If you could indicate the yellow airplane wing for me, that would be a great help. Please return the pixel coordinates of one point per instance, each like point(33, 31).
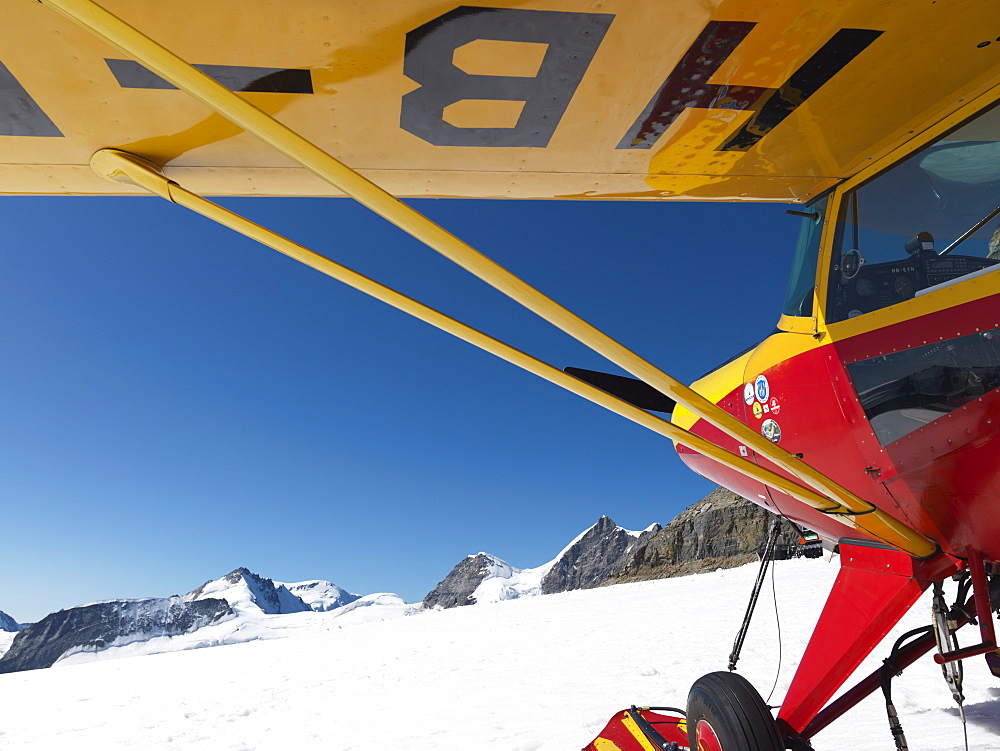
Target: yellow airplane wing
point(694, 99)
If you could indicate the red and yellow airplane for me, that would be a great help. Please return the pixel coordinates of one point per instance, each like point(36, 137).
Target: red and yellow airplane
point(871, 415)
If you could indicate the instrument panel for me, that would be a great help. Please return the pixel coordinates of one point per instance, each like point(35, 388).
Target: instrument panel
point(880, 285)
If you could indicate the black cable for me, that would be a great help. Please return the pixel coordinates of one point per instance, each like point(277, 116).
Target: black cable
point(890, 670)
point(913, 632)
point(772, 539)
point(777, 621)
point(961, 604)
point(678, 710)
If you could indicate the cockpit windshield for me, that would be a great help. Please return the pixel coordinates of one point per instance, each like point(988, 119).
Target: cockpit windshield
point(928, 222)
point(799, 297)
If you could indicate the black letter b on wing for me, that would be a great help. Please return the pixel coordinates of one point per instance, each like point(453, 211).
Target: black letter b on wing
point(571, 38)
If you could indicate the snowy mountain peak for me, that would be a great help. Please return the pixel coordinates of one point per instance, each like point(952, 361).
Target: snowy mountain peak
point(245, 590)
point(240, 573)
point(238, 607)
point(586, 562)
point(485, 578)
point(321, 595)
point(590, 558)
point(495, 567)
point(9, 624)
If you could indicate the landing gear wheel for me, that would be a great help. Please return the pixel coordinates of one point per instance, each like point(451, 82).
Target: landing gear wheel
point(725, 713)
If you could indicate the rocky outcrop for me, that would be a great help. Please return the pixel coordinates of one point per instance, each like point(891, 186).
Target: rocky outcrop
point(105, 624)
point(240, 597)
point(586, 563)
point(591, 559)
point(721, 530)
point(457, 587)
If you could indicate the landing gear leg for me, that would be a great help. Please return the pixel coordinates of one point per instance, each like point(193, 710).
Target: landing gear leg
point(725, 713)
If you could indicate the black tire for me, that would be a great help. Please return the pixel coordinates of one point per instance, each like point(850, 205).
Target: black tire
point(734, 710)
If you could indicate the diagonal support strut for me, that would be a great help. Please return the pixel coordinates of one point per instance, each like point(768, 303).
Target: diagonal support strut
point(121, 167)
point(164, 63)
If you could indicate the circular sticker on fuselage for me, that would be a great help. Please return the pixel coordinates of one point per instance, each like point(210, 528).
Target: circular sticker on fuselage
point(773, 404)
point(762, 389)
point(770, 430)
point(757, 410)
point(748, 393)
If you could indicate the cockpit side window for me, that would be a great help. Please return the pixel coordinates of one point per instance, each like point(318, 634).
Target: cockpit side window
point(926, 223)
point(799, 298)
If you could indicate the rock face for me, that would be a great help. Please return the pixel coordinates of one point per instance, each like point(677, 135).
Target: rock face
point(241, 598)
point(9, 624)
point(591, 559)
point(721, 530)
point(104, 623)
point(457, 587)
point(587, 562)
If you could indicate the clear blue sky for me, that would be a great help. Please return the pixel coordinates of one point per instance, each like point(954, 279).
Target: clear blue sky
point(179, 401)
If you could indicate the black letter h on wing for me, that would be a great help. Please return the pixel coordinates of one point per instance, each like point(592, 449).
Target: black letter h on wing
point(687, 85)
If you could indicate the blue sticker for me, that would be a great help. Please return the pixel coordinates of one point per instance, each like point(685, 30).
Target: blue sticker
point(762, 389)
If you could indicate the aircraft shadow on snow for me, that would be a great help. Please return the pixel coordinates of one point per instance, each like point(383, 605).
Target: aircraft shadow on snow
point(985, 714)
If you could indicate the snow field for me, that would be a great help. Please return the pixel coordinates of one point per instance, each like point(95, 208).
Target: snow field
point(532, 674)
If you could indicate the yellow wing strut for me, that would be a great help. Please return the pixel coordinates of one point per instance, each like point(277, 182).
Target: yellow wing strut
point(122, 167)
point(231, 106)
